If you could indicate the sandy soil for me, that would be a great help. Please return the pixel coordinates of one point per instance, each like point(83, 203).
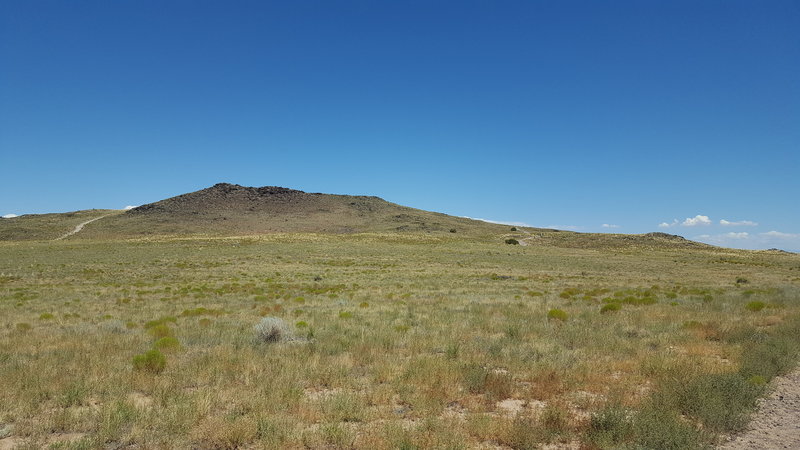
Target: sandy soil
point(777, 423)
point(79, 227)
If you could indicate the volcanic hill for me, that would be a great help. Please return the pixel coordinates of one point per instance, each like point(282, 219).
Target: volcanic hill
point(230, 209)
point(233, 210)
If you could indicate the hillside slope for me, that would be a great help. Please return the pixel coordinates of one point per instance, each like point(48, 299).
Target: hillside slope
point(232, 210)
point(229, 209)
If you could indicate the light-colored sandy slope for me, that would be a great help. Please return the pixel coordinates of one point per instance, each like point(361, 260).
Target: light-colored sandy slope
point(777, 423)
point(79, 227)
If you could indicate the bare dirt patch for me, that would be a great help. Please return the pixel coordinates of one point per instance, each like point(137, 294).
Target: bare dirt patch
point(140, 400)
point(777, 422)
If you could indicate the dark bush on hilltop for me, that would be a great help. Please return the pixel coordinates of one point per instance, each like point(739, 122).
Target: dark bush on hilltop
point(512, 241)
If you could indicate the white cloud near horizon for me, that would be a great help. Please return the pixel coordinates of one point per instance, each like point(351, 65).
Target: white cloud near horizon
point(754, 241)
point(129, 207)
point(741, 223)
point(668, 225)
point(698, 220)
point(10, 216)
point(779, 235)
point(610, 225)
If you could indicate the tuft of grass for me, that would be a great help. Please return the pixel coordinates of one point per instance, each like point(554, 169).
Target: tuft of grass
point(610, 308)
point(166, 344)
point(201, 311)
point(557, 314)
point(46, 316)
point(522, 433)
point(272, 330)
point(152, 361)
point(721, 402)
point(755, 306)
point(162, 321)
point(160, 331)
point(656, 426)
point(610, 427)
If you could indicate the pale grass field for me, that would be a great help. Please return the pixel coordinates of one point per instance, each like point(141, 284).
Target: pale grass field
point(400, 341)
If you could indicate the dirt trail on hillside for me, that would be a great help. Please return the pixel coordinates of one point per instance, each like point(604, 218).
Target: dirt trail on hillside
point(777, 422)
point(79, 227)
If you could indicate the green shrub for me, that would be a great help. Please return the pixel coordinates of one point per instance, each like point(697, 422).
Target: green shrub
point(345, 315)
point(555, 420)
point(46, 316)
point(363, 305)
point(152, 361)
point(769, 358)
point(610, 307)
point(474, 378)
point(160, 331)
point(721, 402)
point(657, 427)
point(755, 306)
point(452, 350)
point(200, 311)
point(557, 314)
point(523, 433)
point(161, 321)
point(513, 228)
point(610, 427)
point(167, 344)
point(631, 300)
point(512, 241)
point(301, 324)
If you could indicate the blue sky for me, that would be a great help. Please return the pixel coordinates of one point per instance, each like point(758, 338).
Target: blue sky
point(569, 114)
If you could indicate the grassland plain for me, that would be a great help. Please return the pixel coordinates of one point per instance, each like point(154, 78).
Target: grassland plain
point(414, 340)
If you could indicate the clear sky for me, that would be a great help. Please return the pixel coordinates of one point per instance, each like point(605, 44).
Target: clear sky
point(623, 116)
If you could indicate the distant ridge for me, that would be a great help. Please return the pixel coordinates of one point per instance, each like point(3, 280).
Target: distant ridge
point(226, 209)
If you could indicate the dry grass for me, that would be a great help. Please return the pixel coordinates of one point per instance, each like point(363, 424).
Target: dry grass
point(405, 341)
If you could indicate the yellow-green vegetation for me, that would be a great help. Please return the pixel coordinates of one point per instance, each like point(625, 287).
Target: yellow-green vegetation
point(415, 340)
